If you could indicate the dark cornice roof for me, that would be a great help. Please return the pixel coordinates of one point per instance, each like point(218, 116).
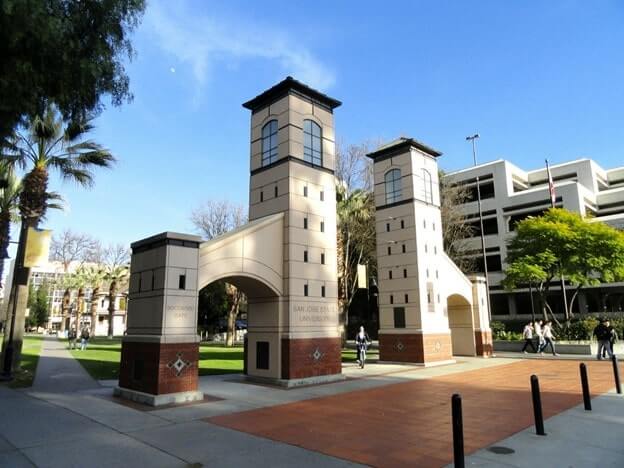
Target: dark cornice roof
point(286, 86)
point(400, 145)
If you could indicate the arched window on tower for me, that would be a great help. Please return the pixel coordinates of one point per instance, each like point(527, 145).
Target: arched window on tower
point(312, 150)
point(393, 185)
point(269, 143)
point(427, 186)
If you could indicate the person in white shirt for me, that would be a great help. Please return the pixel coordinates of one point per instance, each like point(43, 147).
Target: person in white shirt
point(527, 334)
point(549, 338)
point(540, 336)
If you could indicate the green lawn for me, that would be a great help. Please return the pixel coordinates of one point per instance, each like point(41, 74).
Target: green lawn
point(31, 349)
point(101, 359)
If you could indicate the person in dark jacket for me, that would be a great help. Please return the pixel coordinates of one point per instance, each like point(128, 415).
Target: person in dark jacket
point(602, 332)
point(612, 339)
point(361, 342)
point(84, 339)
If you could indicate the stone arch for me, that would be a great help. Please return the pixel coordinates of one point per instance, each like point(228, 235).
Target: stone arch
point(461, 324)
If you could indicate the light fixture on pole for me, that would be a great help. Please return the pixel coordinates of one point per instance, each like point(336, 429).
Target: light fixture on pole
point(472, 139)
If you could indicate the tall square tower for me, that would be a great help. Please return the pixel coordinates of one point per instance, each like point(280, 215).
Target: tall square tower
point(292, 172)
point(413, 319)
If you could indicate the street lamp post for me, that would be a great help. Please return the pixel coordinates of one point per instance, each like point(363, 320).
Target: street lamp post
point(472, 139)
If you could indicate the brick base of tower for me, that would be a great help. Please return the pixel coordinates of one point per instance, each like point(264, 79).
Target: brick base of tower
point(159, 373)
point(415, 348)
point(483, 343)
point(311, 357)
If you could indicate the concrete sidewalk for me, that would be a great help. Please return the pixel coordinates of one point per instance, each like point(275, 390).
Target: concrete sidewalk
point(58, 371)
point(574, 438)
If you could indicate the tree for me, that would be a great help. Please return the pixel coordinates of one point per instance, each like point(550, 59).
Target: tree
point(9, 197)
point(214, 218)
point(353, 169)
point(67, 52)
point(212, 306)
point(94, 276)
point(69, 246)
point(562, 242)
point(41, 306)
point(356, 243)
point(116, 274)
point(48, 144)
point(455, 229)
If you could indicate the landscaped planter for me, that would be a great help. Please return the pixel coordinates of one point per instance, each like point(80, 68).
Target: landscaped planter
point(563, 347)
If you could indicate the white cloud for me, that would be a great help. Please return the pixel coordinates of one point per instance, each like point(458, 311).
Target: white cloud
point(201, 41)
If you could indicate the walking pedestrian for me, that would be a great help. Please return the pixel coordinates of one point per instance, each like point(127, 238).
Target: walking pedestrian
point(361, 342)
point(71, 338)
point(540, 336)
point(549, 338)
point(527, 334)
point(84, 339)
point(603, 334)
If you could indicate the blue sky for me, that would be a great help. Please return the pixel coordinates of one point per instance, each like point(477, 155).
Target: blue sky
point(535, 79)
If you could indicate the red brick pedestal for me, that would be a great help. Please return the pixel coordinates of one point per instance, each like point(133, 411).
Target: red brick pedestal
point(310, 357)
point(484, 344)
point(165, 371)
point(415, 348)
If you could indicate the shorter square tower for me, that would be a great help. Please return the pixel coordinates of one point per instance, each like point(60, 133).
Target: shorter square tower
point(421, 291)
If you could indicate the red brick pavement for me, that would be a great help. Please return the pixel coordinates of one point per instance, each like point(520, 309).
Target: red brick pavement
point(409, 424)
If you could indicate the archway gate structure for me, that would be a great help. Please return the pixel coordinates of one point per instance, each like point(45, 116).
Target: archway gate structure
point(284, 259)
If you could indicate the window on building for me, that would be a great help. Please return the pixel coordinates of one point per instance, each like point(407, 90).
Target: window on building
point(404, 273)
point(428, 186)
point(312, 151)
point(392, 181)
point(276, 193)
point(182, 282)
point(322, 291)
point(403, 248)
point(261, 196)
point(402, 224)
point(322, 196)
point(305, 289)
point(305, 256)
point(387, 227)
point(305, 190)
point(322, 259)
point(389, 274)
point(406, 298)
point(269, 143)
point(305, 223)
point(399, 317)
point(391, 299)
point(322, 226)
point(389, 250)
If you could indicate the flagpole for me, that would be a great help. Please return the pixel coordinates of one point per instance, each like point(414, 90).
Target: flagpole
point(551, 190)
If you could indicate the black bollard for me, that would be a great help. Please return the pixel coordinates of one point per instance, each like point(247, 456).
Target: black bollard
point(585, 386)
point(458, 431)
point(616, 373)
point(537, 406)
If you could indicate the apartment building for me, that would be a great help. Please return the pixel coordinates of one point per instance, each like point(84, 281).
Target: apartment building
point(52, 274)
point(510, 194)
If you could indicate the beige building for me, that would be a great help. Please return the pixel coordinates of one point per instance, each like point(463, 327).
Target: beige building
point(510, 194)
point(428, 310)
point(52, 274)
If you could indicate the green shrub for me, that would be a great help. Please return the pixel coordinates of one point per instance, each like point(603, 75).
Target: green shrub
point(578, 329)
point(498, 329)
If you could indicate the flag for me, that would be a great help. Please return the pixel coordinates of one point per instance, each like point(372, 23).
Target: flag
point(551, 186)
point(37, 247)
point(362, 278)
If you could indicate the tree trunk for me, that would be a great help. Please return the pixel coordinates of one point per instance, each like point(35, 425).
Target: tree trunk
point(5, 237)
point(231, 322)
point(65, 308)
point(94, 307)
point(79, 309)
point(112, 293)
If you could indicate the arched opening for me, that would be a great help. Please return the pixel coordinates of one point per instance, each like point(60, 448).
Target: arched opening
point(461, 325)
point(261, 352)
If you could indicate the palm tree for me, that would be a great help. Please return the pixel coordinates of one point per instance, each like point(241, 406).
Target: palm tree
point(356, 241)
point(117, 277)
point(48, 144)
point(9, 197)
point(94, 276)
